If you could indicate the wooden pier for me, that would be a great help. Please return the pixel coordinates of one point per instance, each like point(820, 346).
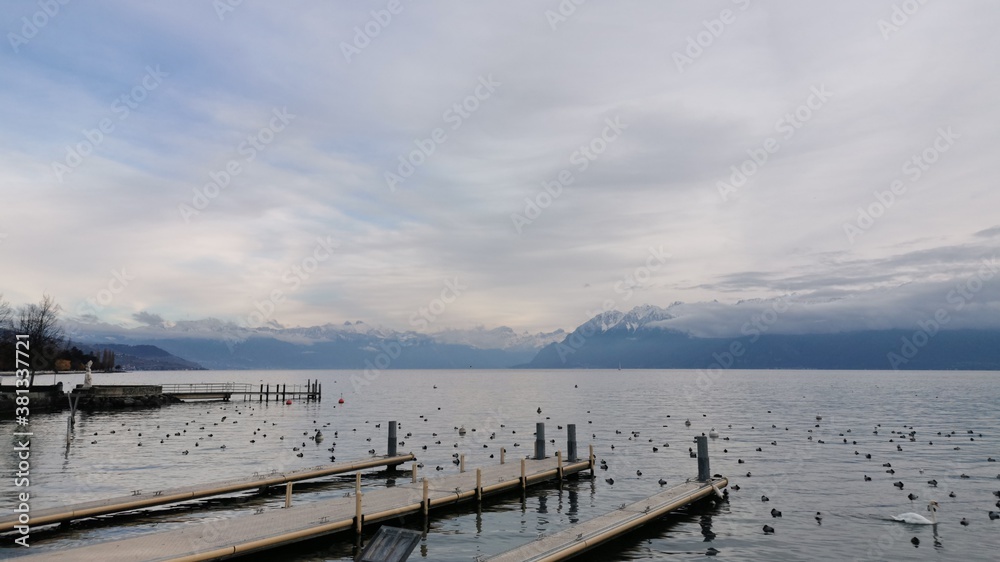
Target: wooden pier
point(226, 538)
point(595, 532)
point(139, 499)
point(588, 534)
point(312, 390)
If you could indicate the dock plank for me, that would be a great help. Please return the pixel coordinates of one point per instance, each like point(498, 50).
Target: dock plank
point(591, 533)
point(217, 539)
point(151, 498)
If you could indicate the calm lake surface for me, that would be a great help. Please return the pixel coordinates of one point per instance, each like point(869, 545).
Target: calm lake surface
point(753, 409)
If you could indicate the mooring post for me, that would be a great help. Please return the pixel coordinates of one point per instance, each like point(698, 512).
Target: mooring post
point(539, 440)
point(479, 484)
point(288, 494)
point(503, 453)
point(414, 471)
point(559, 465)
point(392, 439)
point(319, 391)
point(524, 479)
point(461, 463)
point(426, 502)
point(571, 442)
point(283, 389)
point(308, 382)
point(357, 503)
point(69, 429)
point(704, 473)
point(591, 459)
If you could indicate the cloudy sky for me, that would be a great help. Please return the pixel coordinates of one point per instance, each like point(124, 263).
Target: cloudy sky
point(513, 163)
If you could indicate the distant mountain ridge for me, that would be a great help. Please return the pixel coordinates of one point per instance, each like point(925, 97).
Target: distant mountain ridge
point(642, 339)
point(216, 344)
point(647, 336)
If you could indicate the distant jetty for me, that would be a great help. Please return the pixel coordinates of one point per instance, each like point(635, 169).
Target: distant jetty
point(98, 397)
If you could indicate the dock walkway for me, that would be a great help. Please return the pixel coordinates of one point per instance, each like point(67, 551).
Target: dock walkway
point(227, 538)
point(142, 498)
point(594, 532)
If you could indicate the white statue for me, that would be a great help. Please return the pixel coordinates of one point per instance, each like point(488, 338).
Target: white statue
point(87, 381)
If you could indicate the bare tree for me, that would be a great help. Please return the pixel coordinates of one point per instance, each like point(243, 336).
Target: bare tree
point(41, 323)
point(5, 315)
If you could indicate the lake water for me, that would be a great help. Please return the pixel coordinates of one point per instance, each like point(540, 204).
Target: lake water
point(753, 409)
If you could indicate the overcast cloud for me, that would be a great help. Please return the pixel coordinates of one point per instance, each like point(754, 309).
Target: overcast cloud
point(302, 225)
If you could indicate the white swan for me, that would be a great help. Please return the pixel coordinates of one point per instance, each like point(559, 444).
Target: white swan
point(917, 519)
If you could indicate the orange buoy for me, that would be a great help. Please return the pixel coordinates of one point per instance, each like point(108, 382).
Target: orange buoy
point(341, 401)
point(288, 402)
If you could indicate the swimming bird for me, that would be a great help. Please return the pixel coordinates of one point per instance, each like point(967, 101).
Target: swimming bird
point(964, 522)
point(912, 496)
point(917, 519)
point(994, 516)
point(898, 485)
point(932, 483)
point(775, 513)
point(868, 478)
point(610, 481)
point(663, 482)
point(713, 433)
point(768, 530)
point(915, 541)
point(819, 517)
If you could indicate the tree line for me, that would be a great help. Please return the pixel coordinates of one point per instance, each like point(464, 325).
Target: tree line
point(49, 349)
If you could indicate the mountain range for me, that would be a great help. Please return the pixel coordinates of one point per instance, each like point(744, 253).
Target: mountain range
point(646, 336)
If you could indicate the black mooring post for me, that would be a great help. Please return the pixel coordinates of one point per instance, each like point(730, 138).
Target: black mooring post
point(704, 472)
point(392, 439)
point(540, 440)
point(571, 442)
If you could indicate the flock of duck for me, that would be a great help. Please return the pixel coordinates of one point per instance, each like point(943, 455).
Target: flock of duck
point(200, 432)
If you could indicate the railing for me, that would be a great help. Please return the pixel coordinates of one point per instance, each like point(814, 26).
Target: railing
point(208, 388)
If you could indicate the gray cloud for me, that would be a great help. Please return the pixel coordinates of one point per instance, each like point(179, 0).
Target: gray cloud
point(780, 233)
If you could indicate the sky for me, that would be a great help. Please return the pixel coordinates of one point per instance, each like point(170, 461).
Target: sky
point(436, 165)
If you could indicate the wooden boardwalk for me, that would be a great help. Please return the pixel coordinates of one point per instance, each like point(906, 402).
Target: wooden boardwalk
point(594, 532)
point(219, 539)
point(148, 498)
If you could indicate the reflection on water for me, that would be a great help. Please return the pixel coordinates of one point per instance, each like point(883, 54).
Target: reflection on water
point(768, 420)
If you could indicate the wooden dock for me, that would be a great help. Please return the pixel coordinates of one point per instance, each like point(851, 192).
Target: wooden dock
point(312, 390)
point(140, 499)
point(226, 538)
point(588, 534)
